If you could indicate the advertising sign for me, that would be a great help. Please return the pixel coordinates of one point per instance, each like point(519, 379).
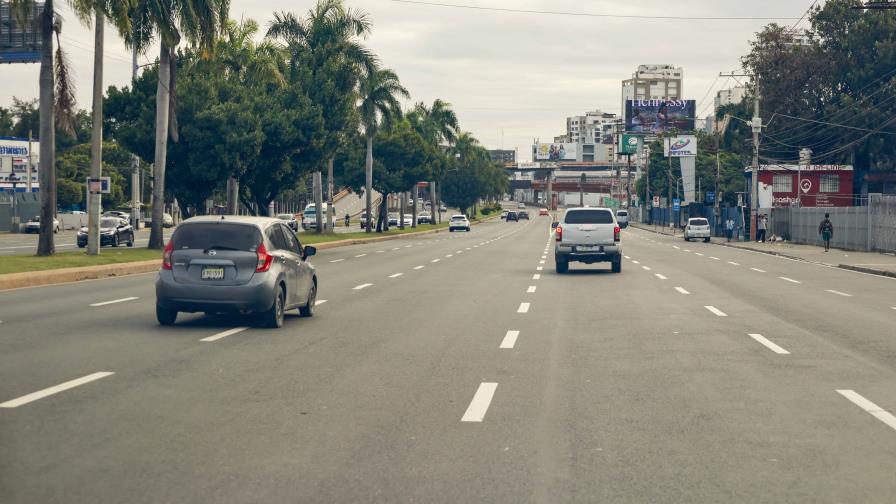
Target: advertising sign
point(102, 185)
point(658, 116)
point(19, 42)
point(680, 146)
point(676, 204)
point(556, 151)
point(631, 144)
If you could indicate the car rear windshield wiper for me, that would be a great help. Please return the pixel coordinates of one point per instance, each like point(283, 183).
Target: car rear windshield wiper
point(218, 247)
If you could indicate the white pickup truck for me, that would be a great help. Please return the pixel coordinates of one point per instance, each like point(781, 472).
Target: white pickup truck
point(588, 235)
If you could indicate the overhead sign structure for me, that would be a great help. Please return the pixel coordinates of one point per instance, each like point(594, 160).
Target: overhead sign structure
point(556, 151)
point(20, 42)
point(631, 144)
point(659, 116)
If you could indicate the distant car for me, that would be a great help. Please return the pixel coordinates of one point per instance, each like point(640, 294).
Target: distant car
point(424, 218)
point(113, 231)
point(458, 222)
point(698, 228)
point(512, 216)
point(408, 220)
point(78, 212)
point(118, 213)
point(393, 219)
point(622, 218)
point(522, 215)
point(543, 212)
point(236, 264)
point(289, 220)
point(363, 220)
point(33, 226)
point(504, 214)
point(443, 208)
point(521, 206)
point(167, 221)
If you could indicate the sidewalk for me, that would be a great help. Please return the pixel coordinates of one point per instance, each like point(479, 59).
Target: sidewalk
point(866, 262)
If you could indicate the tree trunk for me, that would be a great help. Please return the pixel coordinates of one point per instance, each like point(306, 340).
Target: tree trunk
point(414, 209)
point(233, 194)
point(318, 203)
point(156, 238)
point(96, 138)
point(402, 202)
point(331, 208)
point(368, 185)
point(47, 176)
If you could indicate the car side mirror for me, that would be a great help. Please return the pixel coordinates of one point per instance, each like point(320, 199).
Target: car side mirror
point(554, 225)
point(309, 251)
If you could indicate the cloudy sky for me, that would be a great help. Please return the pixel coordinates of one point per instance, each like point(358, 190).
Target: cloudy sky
point(510, 76)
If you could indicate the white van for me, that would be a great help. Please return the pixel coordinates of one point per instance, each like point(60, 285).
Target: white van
point(622, 218)
point(309, 216)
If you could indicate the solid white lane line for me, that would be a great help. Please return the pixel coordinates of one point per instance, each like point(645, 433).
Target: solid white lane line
point(362, 286)
point(510, 339)
point(435, 260)
point(360, 255)
point(320, 302)
point(337, 260)
point(418, 267)
point(790, 280)
point(122, 300)
point(40, 394)
point(716, 311)
point(832, 291)
point(536, 276)
point(396, 275)
point(524, 308)
point(733, 263)
point(481, 400)
point(646, 268)
point(681, 290)
point(857, 399)
point(661, 277)
point(530, 290)
point(229, 332)
point(768, 343)
point(757, 270)
point(540, 268)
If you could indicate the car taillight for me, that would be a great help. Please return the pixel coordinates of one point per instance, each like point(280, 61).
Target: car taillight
point(166, 255)
point(559, 232)
point(264, 259)
point(616, 233)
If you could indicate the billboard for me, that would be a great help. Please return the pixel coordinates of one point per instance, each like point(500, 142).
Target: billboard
point(556, 151)
point(19, 42)
point(631, 144)
point(680, 146)
point(658, 116)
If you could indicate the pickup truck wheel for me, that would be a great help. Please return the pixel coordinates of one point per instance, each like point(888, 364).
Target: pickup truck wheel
point(706, 240)
point(561, 266)
point(687, 239)
point(617, 265)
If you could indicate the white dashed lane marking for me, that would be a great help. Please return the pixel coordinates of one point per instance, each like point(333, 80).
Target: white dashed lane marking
point(320, 302)
point(857, 399)
point(418, 267)
point(524, 308)
point(681, 290)
point(769, 344)
point(757, 270)
point(661, 277)
point(536, 276)
point(337, 260)
point(362, 286)
point(832, 291)
point(114, 301)
point(530, 290)
point(396, 275)
point(230, 332)
point(733, 263)
point(646, 268)
point(481, 400)
point(790, 280)
point(510, 339)
point(716, 311)
point(40, 394)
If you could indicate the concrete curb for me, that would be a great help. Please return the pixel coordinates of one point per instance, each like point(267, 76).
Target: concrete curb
point(870, 271)
point(68, 275)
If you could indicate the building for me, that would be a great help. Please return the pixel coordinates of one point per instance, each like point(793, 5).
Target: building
point(730, 96)
point(654, 82)
point(808, 186)
point(798, 38)
point(593, 127)
point(14, 154)
point(502, 155)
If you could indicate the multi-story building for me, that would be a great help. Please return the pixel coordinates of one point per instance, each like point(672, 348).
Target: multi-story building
point(654, 82)
point(593, 127)
point(502, 155)
point(729, 96)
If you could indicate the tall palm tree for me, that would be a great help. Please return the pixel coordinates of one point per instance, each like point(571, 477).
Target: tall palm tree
point(326, 43)
point(379, 93)
point(437, 124)
point(118, 13)
point(57, 108)
point(198, 22)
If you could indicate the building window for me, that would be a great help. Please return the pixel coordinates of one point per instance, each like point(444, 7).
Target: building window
point(783, 183)
point(830, 183)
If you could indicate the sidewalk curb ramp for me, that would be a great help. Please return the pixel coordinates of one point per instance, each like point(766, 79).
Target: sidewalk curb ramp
point(69, 275)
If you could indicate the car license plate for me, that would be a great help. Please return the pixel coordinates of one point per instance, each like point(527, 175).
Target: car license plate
point(212, 273)
point(586, 248)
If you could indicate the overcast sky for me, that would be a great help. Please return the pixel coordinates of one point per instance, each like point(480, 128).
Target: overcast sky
point(510, 76)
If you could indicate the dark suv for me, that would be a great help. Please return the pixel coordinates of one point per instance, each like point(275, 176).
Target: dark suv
point(235, 264)
point(511, 216)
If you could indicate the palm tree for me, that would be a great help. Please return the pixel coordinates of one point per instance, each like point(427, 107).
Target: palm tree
point(326, 42)
point(436, 124)
point(172, 21)
point(379, 92)
point(57, 107)
point(117, 11)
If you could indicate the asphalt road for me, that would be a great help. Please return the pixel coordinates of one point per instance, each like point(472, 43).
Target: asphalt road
point(65, 241)
point(449, 368)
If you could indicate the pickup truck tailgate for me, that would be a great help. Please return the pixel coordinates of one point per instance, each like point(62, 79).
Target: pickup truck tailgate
point(588, 234)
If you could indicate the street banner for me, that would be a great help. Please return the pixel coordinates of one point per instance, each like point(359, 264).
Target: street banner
point(688, 176)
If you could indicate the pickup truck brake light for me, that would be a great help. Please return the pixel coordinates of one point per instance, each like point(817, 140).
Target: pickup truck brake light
point(616, 233)
point(559, 232)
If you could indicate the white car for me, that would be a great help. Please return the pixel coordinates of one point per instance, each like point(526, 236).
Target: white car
point(424, 218)
point(33, 226)
point(504, 213)
point(698, 228)
point(622, 218)
point(408, 220)
point(587, 235)
point(521, 206)
point(459, 222)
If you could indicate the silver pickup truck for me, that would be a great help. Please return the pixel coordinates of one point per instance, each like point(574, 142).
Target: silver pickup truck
point(588, 235)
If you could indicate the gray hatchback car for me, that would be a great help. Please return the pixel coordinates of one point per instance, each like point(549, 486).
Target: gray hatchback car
point(220, 264)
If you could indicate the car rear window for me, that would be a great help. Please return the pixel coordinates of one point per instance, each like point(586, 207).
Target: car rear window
point(699, 222)
point(457, 218)
point(622, 214)
point(589, 217)
point(217, 235)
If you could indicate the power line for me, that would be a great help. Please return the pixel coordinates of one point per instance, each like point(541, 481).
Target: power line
point(792, 28)
point(591, 14)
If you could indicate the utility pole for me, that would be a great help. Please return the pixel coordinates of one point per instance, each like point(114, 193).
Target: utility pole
point(756, 126)
point(805, 160)
point(582, 179)
point(95, 198)
point(648, 203)
point(669, 184)
point(30, 160)
point(136, 180)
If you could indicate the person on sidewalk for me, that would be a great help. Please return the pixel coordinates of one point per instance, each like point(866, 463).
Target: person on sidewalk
point(729, 228)
point(761, 227)
point(826, 230)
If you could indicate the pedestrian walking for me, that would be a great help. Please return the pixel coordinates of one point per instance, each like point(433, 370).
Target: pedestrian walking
point(761, 228)
point(729, 228)
point(826, 230)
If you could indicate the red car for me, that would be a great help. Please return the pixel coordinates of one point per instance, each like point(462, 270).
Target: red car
point(543, 211)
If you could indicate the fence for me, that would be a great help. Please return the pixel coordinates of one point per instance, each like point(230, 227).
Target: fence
point(869, 228)
point(27, 206)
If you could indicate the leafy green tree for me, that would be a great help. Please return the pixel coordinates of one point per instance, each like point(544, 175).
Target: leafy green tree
point(69, 193)
point(438, 125)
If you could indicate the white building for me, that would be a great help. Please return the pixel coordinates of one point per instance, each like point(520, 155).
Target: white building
point(593, 127)
point(654, 82)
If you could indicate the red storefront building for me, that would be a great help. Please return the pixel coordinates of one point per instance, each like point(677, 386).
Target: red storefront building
point(808, 186)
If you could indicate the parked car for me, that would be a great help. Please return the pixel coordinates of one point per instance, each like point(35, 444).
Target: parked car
point(443, 208)
point(33, 226)
point(543, 212)
point(512, 216)
point(698, 228)
point(622, 218)
point(408, 220)
point(289, 220)
point(113, 232)
point(522, 215)
point(248, 265)
point(458, 222)
point(363, 220)
point(587, 235)
point(504, 214)
point(167, 221)
point(424, 218)
point(119, 214)
point(393, 219)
